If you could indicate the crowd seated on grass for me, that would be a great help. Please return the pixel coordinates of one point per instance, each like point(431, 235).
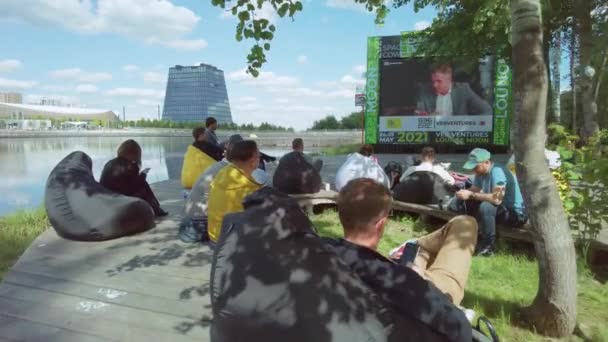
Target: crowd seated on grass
point(193, 227)
point(199, 157)
point(259, 249)
point(494, 198)
point(232, 184)
point(361, 165)
point(297, 173)
point(123, 175)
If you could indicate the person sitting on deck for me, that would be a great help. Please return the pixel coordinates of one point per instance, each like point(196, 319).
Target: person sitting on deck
point(297, 173)
point(427, 290)
point(193, 227)
point(428, 164)
point(494, 198)
point(232, 184)
point(122, 175)
point(199, 156)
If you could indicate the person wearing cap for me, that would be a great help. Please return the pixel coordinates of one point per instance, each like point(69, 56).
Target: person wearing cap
point(494, 198)
point(194, 225)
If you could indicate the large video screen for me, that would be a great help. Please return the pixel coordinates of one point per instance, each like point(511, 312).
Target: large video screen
point(417, 100)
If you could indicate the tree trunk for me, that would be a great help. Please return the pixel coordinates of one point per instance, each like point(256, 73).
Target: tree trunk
point(553, 311)
point(598, 84)
point(583, 14)
point(556, 58)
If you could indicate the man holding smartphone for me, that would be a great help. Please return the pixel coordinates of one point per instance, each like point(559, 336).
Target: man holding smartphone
point(428, 290)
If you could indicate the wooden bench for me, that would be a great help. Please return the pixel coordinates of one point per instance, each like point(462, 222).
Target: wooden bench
point(523, 234)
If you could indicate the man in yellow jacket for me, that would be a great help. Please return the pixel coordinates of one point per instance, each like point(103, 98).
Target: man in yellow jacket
point(199, 157)
point(231, 185)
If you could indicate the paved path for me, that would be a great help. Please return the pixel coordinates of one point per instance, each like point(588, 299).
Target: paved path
point(149, 287)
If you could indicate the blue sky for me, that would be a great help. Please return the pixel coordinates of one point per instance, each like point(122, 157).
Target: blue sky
point(110, 53)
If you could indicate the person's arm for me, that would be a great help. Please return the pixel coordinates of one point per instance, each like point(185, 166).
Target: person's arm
point(476, 105)
point(444, 174)
point(266, 158)
point(499, 179)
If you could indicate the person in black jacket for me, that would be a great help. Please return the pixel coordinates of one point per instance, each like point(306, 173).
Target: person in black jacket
point(428, 290)
point(200, 141)
point(122, 175)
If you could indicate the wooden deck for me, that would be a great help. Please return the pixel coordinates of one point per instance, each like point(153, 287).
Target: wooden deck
point(148, 287)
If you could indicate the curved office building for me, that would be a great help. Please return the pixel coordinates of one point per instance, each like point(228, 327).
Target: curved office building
point(195, 93)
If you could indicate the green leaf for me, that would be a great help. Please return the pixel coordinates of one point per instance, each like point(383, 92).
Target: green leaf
point(234, 10)
point(250, 7)
point(283, 10)
point(266, 46)
point(272, 28)
point(244, 16)
point(299, 6)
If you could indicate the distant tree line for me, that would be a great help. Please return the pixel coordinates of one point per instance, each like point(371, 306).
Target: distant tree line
point(147, 123)
point(352, 121)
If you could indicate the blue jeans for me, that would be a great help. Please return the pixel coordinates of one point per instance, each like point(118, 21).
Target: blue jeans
point(488, 215)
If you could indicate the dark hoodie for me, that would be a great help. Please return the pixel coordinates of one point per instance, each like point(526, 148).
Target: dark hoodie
point(209, 149)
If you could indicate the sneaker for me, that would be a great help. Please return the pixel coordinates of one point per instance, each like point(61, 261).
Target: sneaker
point(469, 313)
point(485, 251)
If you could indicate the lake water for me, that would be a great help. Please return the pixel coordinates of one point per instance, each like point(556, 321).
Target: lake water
point(25, 163)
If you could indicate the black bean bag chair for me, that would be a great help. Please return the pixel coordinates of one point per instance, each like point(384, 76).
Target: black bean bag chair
point(274, 279)
point(296, 175)
point(81, 209)
point(423, 187)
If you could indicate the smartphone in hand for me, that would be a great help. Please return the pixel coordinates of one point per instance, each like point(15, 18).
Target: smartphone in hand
point(410, 252)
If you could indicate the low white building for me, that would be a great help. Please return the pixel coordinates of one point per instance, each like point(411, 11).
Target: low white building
point(15, 111)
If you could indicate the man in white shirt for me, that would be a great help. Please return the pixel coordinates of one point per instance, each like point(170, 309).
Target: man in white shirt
point(428, 164)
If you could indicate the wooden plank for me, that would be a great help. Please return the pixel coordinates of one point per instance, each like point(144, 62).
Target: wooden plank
point(157, 253)
point(144, 283)
point(99, 318)
point(186, 306)
point(17, 329)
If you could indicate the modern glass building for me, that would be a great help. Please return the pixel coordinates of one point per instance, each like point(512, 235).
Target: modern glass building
point(195, 93)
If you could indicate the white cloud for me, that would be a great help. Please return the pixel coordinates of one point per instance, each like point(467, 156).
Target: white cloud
point(302, 59)
point(226, 14)
point(148, 103)
point(63, 99)
point(346, 4)
point(15, 84)
point(359, 69)
point(351, 81)
point(247, 107)
point(153, 21)
point(421, 25)
point(153, 77)
point(246, 99)
point(266, 12)
point(129, 67)
point(328, 84)
point(9, 65)
point(182, 44)
point(281, 100)
point(55, 88)
point(86, 88)
point(264, 79)
point(77, 75)
point(136, 92)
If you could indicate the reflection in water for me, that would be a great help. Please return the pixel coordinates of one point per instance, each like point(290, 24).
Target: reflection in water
point(25, 164)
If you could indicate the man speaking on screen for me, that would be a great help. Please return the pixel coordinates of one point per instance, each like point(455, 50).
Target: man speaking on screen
point(446, 97)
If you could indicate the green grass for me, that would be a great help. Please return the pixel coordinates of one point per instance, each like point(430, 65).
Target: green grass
point(17, 231)
point(340, 150)
point(500, 286)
